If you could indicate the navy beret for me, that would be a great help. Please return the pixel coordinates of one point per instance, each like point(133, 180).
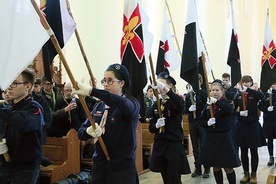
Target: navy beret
point(218, 81)
point(166, 76)
point(121, 71)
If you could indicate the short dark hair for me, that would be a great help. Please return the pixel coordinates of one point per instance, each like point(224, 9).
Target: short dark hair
point(28, 76)
point(226, 75)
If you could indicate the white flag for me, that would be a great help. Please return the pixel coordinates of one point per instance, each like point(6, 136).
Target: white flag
point(22, 36)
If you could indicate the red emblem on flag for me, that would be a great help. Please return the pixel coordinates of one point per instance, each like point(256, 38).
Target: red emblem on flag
point(269, 55)
point(130, 36)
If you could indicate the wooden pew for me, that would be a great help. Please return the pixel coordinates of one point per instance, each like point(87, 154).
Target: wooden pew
point(271, 179)
point(187, 137)
point(64, 153)
point(147, 138)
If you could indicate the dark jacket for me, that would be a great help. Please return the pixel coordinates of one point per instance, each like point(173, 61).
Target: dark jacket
point(200, 101)
point(120, 131)
point(173, 111)
point(47, 113)
point(64, 121)
point(23, 134)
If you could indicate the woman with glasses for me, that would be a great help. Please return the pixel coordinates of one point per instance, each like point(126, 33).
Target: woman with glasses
point(116, 117)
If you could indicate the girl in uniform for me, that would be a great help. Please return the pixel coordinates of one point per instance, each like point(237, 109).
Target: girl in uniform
point(267, 105)
point(168, 155)
point(118, 113)
point(249, 133)
point(218, 150)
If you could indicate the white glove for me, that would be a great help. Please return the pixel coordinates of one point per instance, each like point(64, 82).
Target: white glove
point(269, 91)
point(192, 108)
point(97, 133)
point(159, 85)
point(211, 121)
point(270, 108)
point(160, 122)
point(3, 147)
point(212, 100)
point(243, 89)
point(244, 113)
point(84, 89)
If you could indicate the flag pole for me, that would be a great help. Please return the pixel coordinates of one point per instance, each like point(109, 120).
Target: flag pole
point(155, 92)
point(176, 40)
point(66, 66)
point(207, 84)
point(81, 48)
point(206, 53)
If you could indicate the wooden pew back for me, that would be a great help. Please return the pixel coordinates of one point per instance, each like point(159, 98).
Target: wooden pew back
point(64, 153)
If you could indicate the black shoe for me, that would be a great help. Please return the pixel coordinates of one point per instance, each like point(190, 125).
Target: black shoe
point(196, 173)
point(271, 161)
point(206, 174)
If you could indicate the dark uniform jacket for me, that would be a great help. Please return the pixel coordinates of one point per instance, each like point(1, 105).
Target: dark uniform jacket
point(120, 131)
point(24, 121)
point(200, 101)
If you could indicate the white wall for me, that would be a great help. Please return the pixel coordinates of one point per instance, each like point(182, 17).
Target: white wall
point(99, 24)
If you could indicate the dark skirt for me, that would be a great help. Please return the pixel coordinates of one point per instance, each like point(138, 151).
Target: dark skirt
point(218, 150)
point(249, 135)
point(169, 157)
point(269, 129)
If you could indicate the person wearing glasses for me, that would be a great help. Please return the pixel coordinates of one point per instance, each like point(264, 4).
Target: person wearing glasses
point(23, 121)
point(51, 95)
point(69, 113)
point(116, 118)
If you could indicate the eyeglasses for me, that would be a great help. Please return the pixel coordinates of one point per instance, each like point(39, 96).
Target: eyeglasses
point(109, 81)
point(14, 84)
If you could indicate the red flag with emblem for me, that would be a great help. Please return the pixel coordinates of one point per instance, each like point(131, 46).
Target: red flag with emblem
point(268, 74)
point(168, 57)
point(132, 49)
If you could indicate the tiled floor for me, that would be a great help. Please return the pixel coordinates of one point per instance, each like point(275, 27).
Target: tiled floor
point(262, 173)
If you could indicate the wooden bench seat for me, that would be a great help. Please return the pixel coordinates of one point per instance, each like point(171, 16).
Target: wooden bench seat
point(186, 133)
point(64, 153)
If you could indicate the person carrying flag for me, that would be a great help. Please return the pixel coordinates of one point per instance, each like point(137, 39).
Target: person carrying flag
point(23, 119)
point(117, 115)
point(168, 155)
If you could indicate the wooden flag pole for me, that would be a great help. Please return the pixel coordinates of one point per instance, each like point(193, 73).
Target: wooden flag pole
point(81, 48)
point(66, 66)
point(176, 40)
point(207, 85)
point(270, 99)
point(162, 129)
point(243, 101)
